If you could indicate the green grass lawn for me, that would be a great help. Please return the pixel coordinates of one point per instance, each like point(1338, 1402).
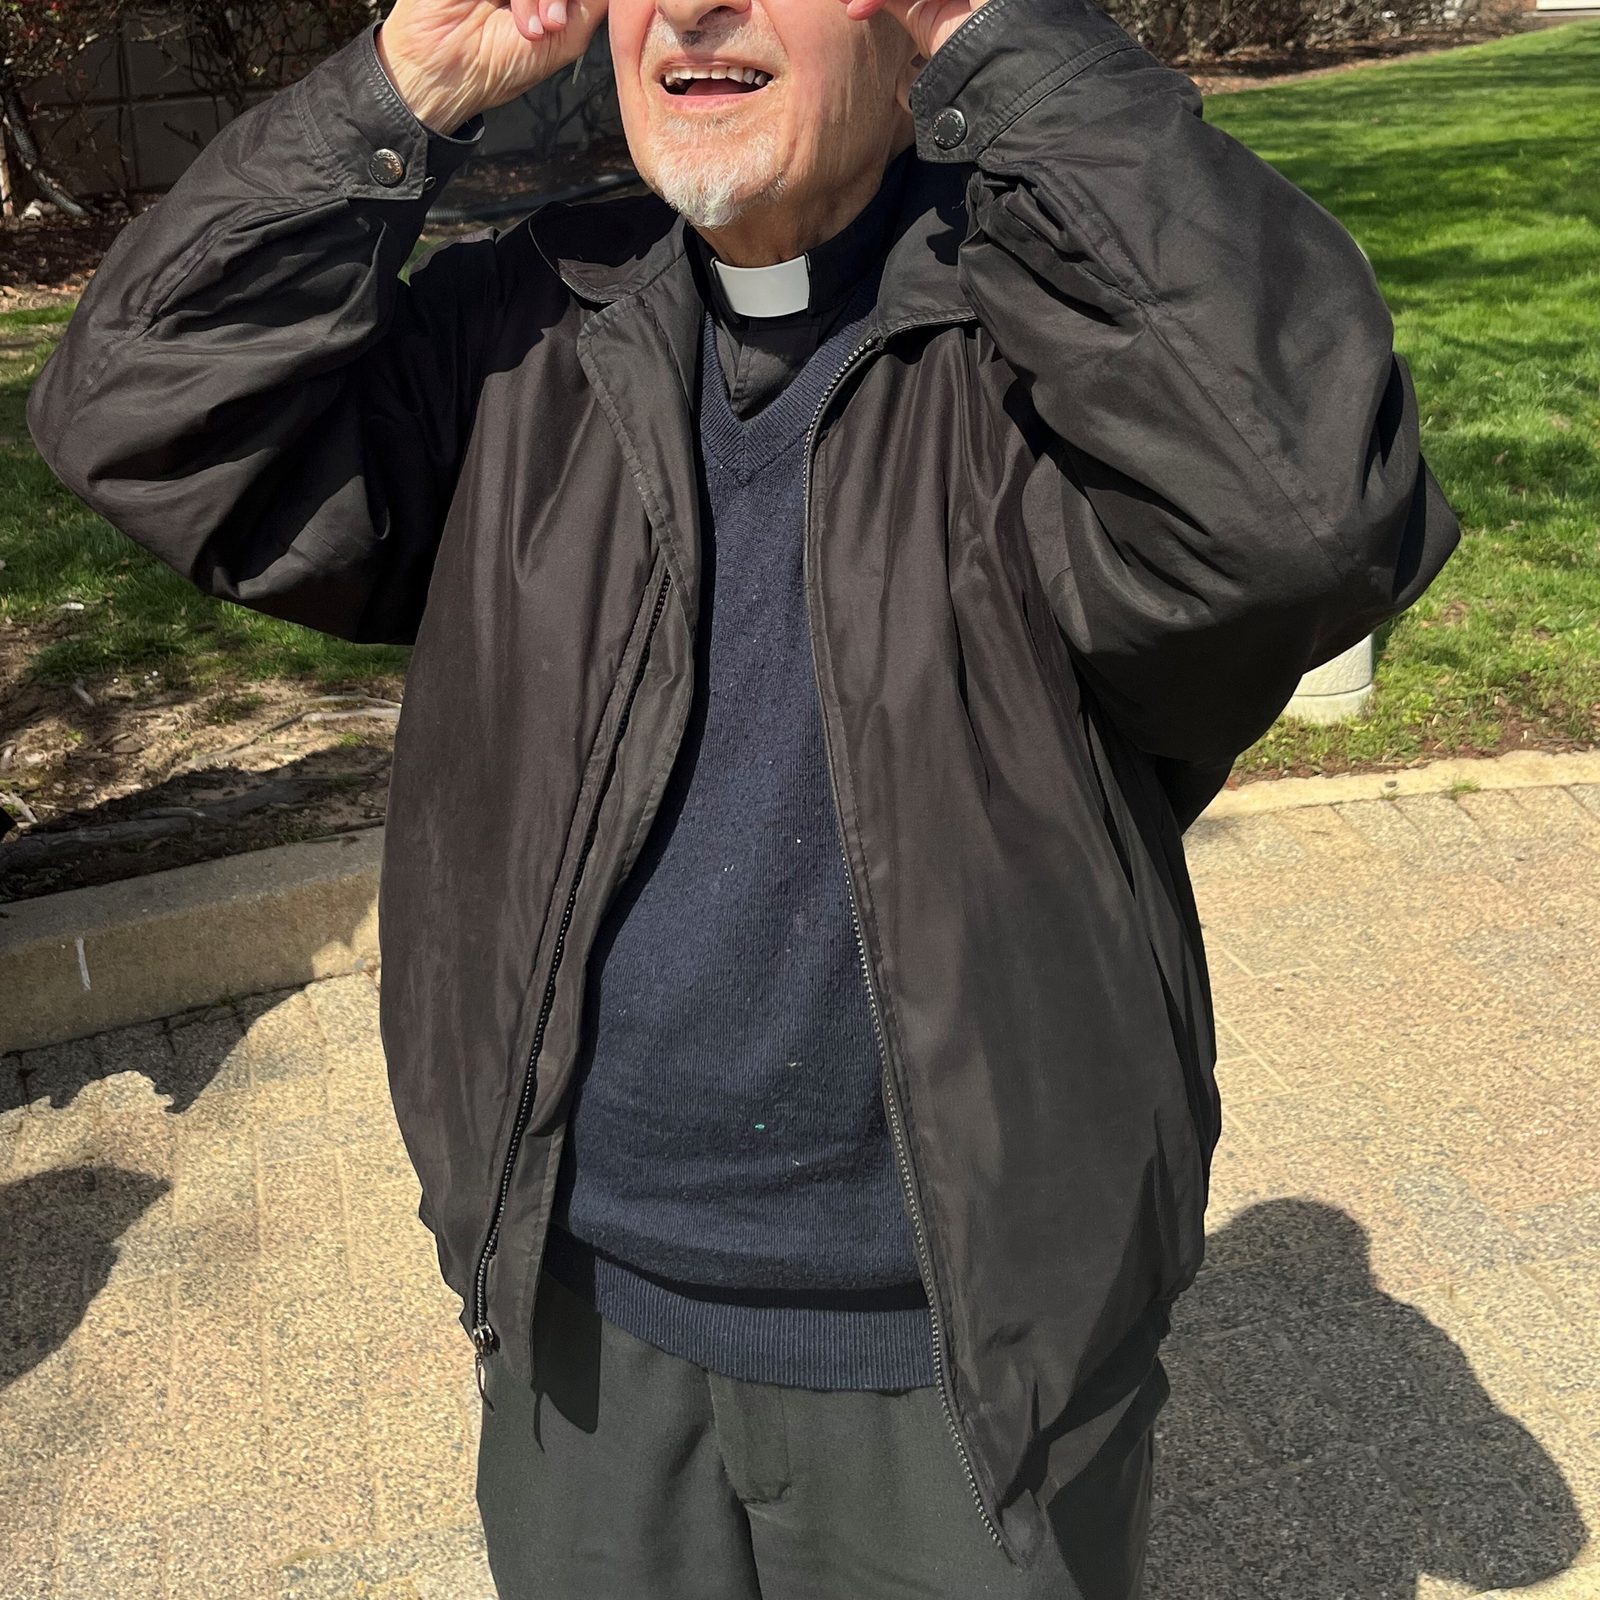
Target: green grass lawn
point(1472, 180)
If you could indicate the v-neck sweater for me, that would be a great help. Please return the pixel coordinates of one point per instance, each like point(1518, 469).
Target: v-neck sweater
point(728, 1190)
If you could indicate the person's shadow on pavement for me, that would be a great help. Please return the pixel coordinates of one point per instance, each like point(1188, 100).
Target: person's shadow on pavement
point(1325, 1441)
point(60, 1230)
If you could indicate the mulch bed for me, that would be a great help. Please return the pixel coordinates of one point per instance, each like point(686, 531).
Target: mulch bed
point(119, 775)
point(47, 260)
point(1253, 67)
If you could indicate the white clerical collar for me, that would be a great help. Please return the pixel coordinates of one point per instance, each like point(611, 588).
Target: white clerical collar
point(773, 291)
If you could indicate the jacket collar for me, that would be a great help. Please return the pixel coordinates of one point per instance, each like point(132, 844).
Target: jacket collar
point(609, 252)
point(640, 345)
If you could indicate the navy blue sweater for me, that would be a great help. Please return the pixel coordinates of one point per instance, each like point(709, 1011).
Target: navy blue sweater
point(728, 1189)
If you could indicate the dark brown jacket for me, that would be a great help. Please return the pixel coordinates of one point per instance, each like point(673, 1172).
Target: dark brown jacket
point(1128, 451)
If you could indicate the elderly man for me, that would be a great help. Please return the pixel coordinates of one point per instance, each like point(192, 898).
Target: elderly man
point(836, 580)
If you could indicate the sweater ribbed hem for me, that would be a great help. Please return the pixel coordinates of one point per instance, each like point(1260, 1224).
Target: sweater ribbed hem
point(861, 1340)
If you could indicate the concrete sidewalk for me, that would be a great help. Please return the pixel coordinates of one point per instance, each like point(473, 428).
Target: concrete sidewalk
point(230, 1369)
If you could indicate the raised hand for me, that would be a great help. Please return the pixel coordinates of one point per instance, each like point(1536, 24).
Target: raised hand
point(929, 22)
point(451, 59)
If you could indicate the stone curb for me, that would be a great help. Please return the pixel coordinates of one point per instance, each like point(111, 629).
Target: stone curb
point(1521, 769)
point(85, 960)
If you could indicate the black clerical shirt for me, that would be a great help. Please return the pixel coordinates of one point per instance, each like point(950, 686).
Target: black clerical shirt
point(761, 354)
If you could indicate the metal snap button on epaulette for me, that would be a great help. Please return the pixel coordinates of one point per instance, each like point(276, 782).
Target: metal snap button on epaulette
point(386, 167)
point(949, 128)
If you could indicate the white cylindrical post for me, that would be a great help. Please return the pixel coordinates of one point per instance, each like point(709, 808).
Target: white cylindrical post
point(1337, 690)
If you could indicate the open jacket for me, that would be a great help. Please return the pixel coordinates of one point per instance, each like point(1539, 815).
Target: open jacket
point(1126, 452)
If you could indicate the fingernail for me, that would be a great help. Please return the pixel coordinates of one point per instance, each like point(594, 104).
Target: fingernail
point(558, 12)
point(536, 27)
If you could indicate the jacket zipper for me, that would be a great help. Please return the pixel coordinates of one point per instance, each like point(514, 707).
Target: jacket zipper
point(896, 1125)
point(484, 1337)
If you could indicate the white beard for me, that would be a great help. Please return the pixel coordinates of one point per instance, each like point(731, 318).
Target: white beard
point(712, 175)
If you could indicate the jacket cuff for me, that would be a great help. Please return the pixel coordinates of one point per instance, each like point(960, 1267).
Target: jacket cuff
point(1003, 59)
point(374, 146)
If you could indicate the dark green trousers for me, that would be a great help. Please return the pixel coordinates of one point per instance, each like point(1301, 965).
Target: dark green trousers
point(626, 1473)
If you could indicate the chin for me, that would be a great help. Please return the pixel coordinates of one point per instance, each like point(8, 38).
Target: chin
point(711, 180)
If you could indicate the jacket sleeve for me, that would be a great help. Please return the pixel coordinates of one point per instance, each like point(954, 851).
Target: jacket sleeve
point(249, 390)
point(1240, 494)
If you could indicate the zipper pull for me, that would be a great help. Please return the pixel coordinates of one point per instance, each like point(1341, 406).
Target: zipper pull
point(483, 1340)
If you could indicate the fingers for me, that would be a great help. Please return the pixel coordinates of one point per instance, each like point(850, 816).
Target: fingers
point(525, 13)
point(860, 10)
point(537, 19)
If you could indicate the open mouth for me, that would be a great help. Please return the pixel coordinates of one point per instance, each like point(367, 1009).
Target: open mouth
point(714, 82)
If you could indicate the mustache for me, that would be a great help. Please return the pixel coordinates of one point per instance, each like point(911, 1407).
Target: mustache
point(756, 45)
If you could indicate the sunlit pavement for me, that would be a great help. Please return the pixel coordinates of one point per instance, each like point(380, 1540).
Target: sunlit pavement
point(230, 1368)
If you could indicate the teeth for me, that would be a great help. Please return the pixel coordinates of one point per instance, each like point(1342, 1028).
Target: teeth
point(751, 75)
